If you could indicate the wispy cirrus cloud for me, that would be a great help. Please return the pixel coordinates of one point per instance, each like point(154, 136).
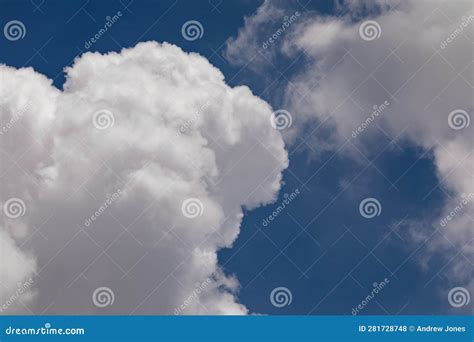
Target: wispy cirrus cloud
point(376, 52)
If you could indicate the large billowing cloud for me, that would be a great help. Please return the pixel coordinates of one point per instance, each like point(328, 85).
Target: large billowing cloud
point(413, 61)
point(131, 178)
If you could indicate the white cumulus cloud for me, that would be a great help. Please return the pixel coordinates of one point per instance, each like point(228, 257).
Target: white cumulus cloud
point(104, 167)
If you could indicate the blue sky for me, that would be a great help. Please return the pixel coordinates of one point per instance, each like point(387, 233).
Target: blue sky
point(320, 247)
